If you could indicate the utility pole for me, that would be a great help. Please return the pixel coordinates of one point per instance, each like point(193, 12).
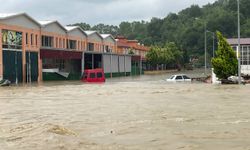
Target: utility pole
point(239, 47)
point(205, 48)
point(213, 44)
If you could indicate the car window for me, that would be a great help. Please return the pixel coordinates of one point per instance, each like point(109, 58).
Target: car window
point(172, 77)
point(92, 75)
point(179, 78)
point(99, 75)
point(186, 77)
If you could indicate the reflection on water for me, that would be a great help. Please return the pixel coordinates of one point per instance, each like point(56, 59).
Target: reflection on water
point(139, 113)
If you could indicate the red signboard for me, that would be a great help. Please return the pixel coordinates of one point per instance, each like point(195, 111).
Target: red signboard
point(60, 54)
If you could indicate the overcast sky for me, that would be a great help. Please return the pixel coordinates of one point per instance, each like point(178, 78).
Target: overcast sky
point(96, 11)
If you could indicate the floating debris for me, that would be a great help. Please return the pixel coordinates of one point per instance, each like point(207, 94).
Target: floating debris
point(61, 130)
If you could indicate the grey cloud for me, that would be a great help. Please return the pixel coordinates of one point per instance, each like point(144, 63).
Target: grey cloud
point(96, 11)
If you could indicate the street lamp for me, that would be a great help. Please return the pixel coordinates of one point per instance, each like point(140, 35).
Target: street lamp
point(238, 50)
point(205, 47)
point(205, 43)
point(213, 40)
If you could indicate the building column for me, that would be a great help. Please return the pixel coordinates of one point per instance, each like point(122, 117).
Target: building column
point(40, 67)
point(24, 56)
point(1, 56)
point(40, 62)
point(83, 63)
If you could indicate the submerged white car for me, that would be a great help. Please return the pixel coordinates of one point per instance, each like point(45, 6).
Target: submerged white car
point(181, 78)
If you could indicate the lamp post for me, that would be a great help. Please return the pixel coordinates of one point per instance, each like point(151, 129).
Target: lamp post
point(239, 48)
point(213, 40)
point(205, 48)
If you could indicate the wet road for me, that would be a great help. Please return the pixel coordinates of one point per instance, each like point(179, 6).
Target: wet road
point(139, 113)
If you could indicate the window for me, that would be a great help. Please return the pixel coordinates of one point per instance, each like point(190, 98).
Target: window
point(90, 46)
point(60, 43)
point(60, 63)
point(47, 41)
point(92, 75)
point(11, 39)
point(179, 78)
point(63, 46)
point(107, 49)
point(71, 44)
point(36, 40)
point(31, 39)
point(99, 75)
point(56, 42)
point(27, 39)
point(185, 77)
point(172, 77)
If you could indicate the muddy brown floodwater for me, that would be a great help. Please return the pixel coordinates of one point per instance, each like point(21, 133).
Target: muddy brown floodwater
point(125, 114)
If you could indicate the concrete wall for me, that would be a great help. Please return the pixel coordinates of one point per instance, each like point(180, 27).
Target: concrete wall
point(245, 69)
point(77, 33)
point(54, 28)
point(22, 21)
point(95, 37)
point(109, 40)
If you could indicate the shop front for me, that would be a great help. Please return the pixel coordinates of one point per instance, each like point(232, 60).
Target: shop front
point(61, 65)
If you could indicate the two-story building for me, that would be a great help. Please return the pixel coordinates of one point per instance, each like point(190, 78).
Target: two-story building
point(46, 50)
point(20, 48)
point(134, 48)
point(243, 53)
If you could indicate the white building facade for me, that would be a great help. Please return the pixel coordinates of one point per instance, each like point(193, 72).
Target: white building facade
point(243, 52)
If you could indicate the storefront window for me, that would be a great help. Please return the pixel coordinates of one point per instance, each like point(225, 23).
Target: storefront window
point(11, 39)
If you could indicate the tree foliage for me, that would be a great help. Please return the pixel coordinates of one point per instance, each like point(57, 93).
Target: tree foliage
point(168, 54)
point(186, 28)
point(225, 63)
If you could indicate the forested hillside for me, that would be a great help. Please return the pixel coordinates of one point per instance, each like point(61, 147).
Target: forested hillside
point(185, 28)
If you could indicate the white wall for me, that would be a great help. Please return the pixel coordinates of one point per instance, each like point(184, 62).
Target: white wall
point(55, 28)
point(121, 63)
point(22, 21)
point(78, 33)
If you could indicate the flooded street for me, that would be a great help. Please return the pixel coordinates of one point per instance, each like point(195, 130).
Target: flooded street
point(139, 113)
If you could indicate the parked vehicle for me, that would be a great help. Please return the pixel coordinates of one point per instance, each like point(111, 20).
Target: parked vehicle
point(233, 80)
point(93, 75)
point(179, 78)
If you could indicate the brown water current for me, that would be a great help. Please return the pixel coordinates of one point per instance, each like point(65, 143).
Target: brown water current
point(125, 114)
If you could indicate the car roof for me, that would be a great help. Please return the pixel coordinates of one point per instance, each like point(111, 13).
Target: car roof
point(179, 75)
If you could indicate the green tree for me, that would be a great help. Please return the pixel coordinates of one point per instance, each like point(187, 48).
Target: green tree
point(106, 29)
point(168, 55)
point(153, 56)
point(84, 26)
point(176, 53)
point(131, 52)
point(225, 63)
